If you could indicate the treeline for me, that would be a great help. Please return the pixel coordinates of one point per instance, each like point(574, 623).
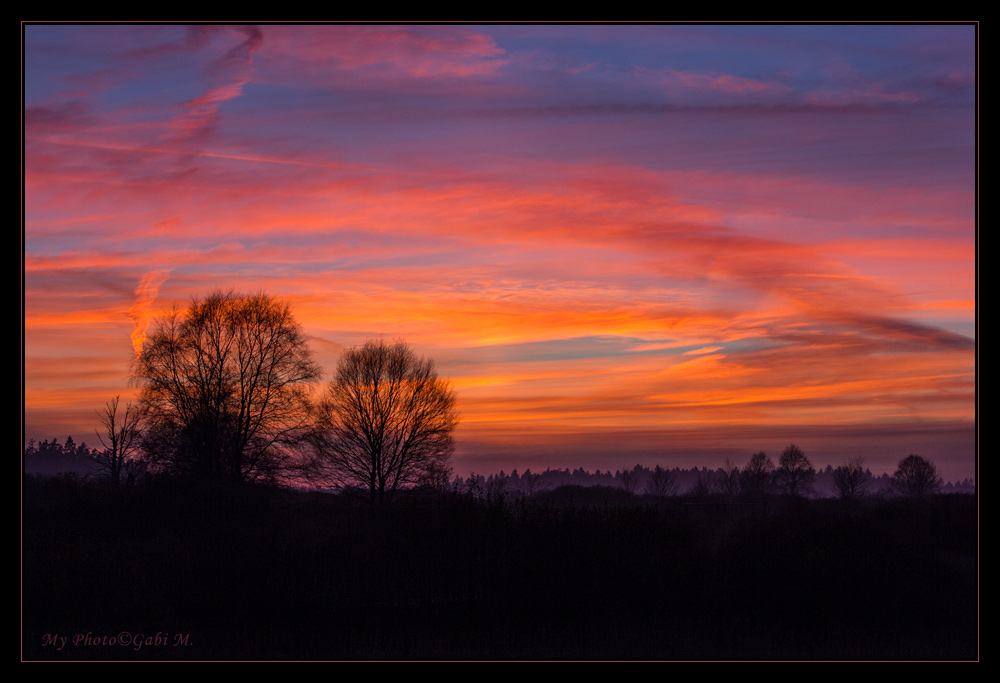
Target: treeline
point(642, 480)
point(49, 457)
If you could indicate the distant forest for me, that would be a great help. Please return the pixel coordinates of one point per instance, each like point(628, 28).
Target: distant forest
point(49, 458)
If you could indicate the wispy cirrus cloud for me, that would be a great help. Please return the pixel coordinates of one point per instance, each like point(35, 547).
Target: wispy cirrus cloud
point(226, 75)
point(727, 84)
point(371, 57)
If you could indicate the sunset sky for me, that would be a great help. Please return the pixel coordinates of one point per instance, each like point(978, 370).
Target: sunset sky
point(622, 244)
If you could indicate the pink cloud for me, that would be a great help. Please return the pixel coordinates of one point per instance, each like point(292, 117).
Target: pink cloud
point(385, 53)
point(229, 74)
point(724, 83)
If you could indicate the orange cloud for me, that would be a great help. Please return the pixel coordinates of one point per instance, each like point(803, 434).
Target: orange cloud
point(141, 310)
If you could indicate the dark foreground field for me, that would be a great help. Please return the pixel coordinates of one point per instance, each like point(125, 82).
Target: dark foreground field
point(167, 571)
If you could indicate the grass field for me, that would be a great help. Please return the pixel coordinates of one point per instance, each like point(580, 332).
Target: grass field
point(170, 570)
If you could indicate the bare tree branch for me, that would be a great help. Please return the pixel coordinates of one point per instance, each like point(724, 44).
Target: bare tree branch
point(121, 438)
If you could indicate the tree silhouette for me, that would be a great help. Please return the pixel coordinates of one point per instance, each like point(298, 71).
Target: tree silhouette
point(385, 422)
point(916, 476)
point(52, 457)
point(438, 475)
point(531, 482)
point(630, 478)
point(795, 473)
point(851, 480)
point(704, 484)
point(728, 479)
point(758, 476)
point(496, 488)
point(120, 439)
point(225, 387)
point(662, 482)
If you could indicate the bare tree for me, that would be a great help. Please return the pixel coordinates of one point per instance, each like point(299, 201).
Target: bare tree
point(852, 480)
point(386, 420)
point(705, 483)
point(662, 482)
point(630, 478)
point(916, 476)
point(531, 482)
point(225, 387)
point(795, 473)
point(757, 476)
point(729, 479)
point(437, 476)
point(121, 439)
